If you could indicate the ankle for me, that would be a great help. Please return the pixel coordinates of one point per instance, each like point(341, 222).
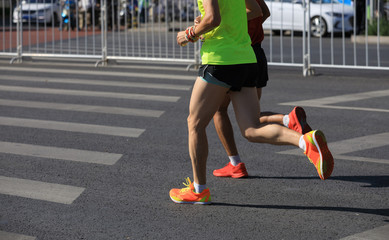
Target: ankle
point(235, 160)
point(199, 188)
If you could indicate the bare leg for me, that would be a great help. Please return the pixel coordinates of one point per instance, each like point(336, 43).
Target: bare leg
point(205, 100)
point(269, 117)
point(247, 113)
point(224, 128)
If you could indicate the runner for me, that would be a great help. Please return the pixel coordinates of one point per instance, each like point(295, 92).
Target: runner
point(229, 66)
point(296, 119)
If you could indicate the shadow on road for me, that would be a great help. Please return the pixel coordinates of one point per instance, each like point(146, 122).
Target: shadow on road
point(382, 212)
point(372, 181)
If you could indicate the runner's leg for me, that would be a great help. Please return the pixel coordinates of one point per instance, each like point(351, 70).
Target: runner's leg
point(247, 113)
point(205, 100)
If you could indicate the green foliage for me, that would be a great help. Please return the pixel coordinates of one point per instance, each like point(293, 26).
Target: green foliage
point(384, 27)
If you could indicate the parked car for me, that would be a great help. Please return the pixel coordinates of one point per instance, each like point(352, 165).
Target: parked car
point(326, 16)
point(41, 11)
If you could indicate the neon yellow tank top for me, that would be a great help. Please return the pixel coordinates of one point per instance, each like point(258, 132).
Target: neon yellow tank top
point(229, 43)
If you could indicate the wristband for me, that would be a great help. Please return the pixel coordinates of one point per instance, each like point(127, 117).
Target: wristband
point(190, 34)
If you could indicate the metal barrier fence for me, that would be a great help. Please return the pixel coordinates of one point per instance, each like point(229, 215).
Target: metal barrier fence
point(146, 30)
point(109, 30)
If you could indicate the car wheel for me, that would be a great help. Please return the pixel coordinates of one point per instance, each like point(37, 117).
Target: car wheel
point(318, 27)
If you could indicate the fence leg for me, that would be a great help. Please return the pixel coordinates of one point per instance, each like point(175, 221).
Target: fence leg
point(307, 70)
point(104, 28)
point(19, 35)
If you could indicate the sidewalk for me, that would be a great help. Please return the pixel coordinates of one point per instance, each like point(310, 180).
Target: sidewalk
point(40, 35)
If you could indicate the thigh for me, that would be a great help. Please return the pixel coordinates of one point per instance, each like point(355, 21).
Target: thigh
point(226, 102)
point(246, 107)
point(205, 101)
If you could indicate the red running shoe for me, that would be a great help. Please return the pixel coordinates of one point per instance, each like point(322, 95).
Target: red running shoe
point(188, 195)
point(318, 153)
point(298, 121)
point(230, 170)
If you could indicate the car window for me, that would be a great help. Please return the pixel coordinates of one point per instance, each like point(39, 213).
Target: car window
point(324, 1)
point(40, 1)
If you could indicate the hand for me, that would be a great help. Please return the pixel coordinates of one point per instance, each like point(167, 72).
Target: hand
point(197, 20)
point(181, 40)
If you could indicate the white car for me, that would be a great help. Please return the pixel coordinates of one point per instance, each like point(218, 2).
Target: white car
point(41, 11)
point(325, 17)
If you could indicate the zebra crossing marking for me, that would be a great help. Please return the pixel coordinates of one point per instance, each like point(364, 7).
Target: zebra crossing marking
point(55, 91)
point(170, 67)
point(14, 236)
point(101, 73)
point(379, 233)
point(328, 102)
point(97, 82)
point(72, 127)
point(340, 148)
point(59, 153)
point(50, 192)
point(82, 108)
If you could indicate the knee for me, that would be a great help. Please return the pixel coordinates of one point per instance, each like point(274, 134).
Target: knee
point(249, 134)
point(220, 114)
point(194, 123)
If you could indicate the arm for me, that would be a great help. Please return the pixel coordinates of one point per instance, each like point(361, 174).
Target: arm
point(210, 20)
point(253, 10)
point(265, 10)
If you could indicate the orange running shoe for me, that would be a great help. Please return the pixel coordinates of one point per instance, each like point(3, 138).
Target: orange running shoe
point(230, 170)
point(188, 195)
point(298, 121)
point(318, 153)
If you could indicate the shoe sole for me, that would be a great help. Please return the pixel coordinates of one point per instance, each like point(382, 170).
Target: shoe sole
point(304, 127)
point(325, 155)
point(240, 175)
point(182, 202)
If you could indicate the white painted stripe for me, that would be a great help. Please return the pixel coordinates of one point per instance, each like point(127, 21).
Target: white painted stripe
point(143, 97)
point(328, 102)
point(340, 148)
point(14, 236)
point(59, 153)
point(337, 107)
point(71, 127)
point(101, 73)
point(361, 159)
point(379, 233)
point(97, 82)
point(39, 190)
point(82, 108)
point(360, 143)
point(125, 65)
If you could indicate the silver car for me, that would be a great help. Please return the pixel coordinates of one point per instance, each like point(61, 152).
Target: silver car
point(41, 11)
point(326, 16)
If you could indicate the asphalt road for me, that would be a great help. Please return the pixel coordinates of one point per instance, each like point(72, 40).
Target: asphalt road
point(91, 153)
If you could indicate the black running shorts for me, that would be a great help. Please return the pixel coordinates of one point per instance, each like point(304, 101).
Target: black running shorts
point(232, 76)
point(262, 66)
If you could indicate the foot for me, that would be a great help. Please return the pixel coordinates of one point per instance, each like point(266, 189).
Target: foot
point(318, 153)
point(188, 195)
point(298, 121)
point(230, 170)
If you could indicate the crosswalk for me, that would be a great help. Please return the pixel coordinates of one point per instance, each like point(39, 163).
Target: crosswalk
point(17, 81)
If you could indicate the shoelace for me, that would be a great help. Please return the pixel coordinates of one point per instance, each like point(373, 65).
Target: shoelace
point(187, 184)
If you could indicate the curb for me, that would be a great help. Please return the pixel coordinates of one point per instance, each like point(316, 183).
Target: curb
point(370, 39)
